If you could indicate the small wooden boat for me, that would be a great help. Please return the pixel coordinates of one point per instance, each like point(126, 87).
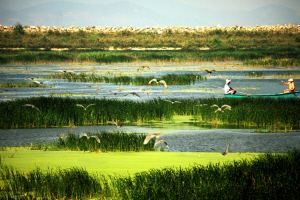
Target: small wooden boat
point(280, 95)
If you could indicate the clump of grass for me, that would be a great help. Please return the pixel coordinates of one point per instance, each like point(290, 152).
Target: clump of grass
point(21, 85)
point(107, 142)
point(71, 183)
point(171, 79)
point(282, 114)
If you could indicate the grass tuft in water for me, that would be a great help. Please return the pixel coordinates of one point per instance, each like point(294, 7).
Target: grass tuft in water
point(171, 79)
point(102, 141)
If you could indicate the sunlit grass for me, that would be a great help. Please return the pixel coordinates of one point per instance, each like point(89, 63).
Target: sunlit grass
point(270, 175)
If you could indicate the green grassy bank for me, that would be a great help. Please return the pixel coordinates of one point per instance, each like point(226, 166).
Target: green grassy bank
point(264, 177)
point(269, 56)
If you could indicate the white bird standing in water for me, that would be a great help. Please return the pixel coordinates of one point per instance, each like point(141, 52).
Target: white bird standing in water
point(133, 94)
point(222, 108)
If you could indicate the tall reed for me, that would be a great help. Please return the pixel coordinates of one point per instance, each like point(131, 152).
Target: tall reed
point(171, 79)
point(102, 141)
point(268, 177)
point(272, 114)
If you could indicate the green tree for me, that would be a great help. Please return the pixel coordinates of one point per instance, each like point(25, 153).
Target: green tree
point(18, 29)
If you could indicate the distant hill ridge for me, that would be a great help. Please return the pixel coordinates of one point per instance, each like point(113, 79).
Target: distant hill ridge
point(140, 14)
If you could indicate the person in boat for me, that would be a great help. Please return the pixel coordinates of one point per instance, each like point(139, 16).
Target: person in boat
point(291, 86)
point(227, 88)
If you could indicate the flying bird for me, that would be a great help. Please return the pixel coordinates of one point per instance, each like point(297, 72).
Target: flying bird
point(222, 108)
point(32, 106)
point(153, 81)
point(226, 151)
point(210, 71)
point(162, 82)
point(172, 102)
point(95, 138)
point(83, 135)
point(151, 136)
point(161, 145)
point(38, 82)
point(85, 108)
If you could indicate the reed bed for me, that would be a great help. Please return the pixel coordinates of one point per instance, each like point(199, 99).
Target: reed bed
point(171, 79)
point(272, 114)
point(268, 177)
point(271, 176)
point(285, 56)
point(21, 85)
point(102, 141)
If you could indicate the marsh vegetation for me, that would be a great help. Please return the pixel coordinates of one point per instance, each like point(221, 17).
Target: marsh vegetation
point(273, 114)
point(101, 141)
point(267, 176)
point(171, 79)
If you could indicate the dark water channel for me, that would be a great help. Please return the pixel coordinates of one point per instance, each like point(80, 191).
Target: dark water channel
point(201, 140)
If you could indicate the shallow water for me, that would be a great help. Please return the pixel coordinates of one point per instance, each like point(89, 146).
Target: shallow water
point(184, 140)
point(268, 82)
point(180, 138)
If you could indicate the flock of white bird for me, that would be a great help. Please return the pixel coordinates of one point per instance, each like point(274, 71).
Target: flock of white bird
point(159, 144)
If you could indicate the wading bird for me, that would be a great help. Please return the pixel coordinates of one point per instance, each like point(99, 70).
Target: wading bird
point(172, 102)
point(222, 108)
point(66, 71)
point(226, 151)
point(134, 94)
point(210, 71)
point(85, 108)
point(32, 106)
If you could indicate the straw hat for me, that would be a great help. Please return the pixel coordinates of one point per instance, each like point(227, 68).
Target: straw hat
point(291, 80)
point(228, 81)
